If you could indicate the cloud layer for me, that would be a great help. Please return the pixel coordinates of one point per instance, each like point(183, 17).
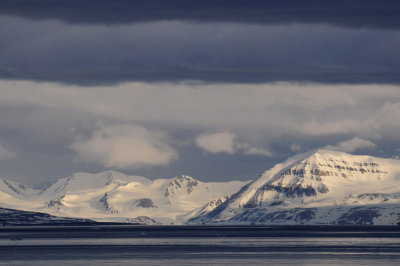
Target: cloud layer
point(260, 124)
point(355, 13)
point(254, 112)
point(174, 50)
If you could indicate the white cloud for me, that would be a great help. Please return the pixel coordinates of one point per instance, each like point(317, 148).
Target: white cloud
point(125, 146)
point(226, 142)
point(223, 142)
point(352, 145)
point(6, 154)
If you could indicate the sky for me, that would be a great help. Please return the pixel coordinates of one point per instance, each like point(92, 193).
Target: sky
point(218, 90)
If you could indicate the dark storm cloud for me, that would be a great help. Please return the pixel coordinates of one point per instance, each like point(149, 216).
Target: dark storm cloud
point(355, 13)
point(172, 51)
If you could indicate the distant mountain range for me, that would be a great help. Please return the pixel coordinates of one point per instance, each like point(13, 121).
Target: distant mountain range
point(319, 187)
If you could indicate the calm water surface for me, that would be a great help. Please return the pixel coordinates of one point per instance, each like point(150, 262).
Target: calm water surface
point(130, 245)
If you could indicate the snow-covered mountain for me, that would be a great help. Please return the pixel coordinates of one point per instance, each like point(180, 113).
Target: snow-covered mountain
point(322, 187)
point(115, 197)
point(319, 187)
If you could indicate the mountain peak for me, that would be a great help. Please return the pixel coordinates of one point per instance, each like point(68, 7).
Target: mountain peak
point(325, 166)
point(184, 178)
point(182, 182)
point(320, 154)
point(308, 178)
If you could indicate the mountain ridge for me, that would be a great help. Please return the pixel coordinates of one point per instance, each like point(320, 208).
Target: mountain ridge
point(316, 187)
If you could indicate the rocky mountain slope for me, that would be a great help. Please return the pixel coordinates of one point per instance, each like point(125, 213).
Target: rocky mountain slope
point(319, 187)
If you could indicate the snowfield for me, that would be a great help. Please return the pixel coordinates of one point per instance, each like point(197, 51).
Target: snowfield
point(319, 187)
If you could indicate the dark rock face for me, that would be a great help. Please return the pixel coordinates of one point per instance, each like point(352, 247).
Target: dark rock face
point(55, 203)
point(110, 179)
point(9, 217)
point(276, 203)
point(145, 203)
point(296, 172)
point(336, 169)
point(372, 196)
point(107, 205)
point(293, 190)
point(323, 189)
point(319, 172)
point(181, 182)
point(143, 220)
point(359, 216)
point(259, 216)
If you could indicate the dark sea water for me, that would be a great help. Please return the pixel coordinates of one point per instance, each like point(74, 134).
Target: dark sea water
point(190, 245)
